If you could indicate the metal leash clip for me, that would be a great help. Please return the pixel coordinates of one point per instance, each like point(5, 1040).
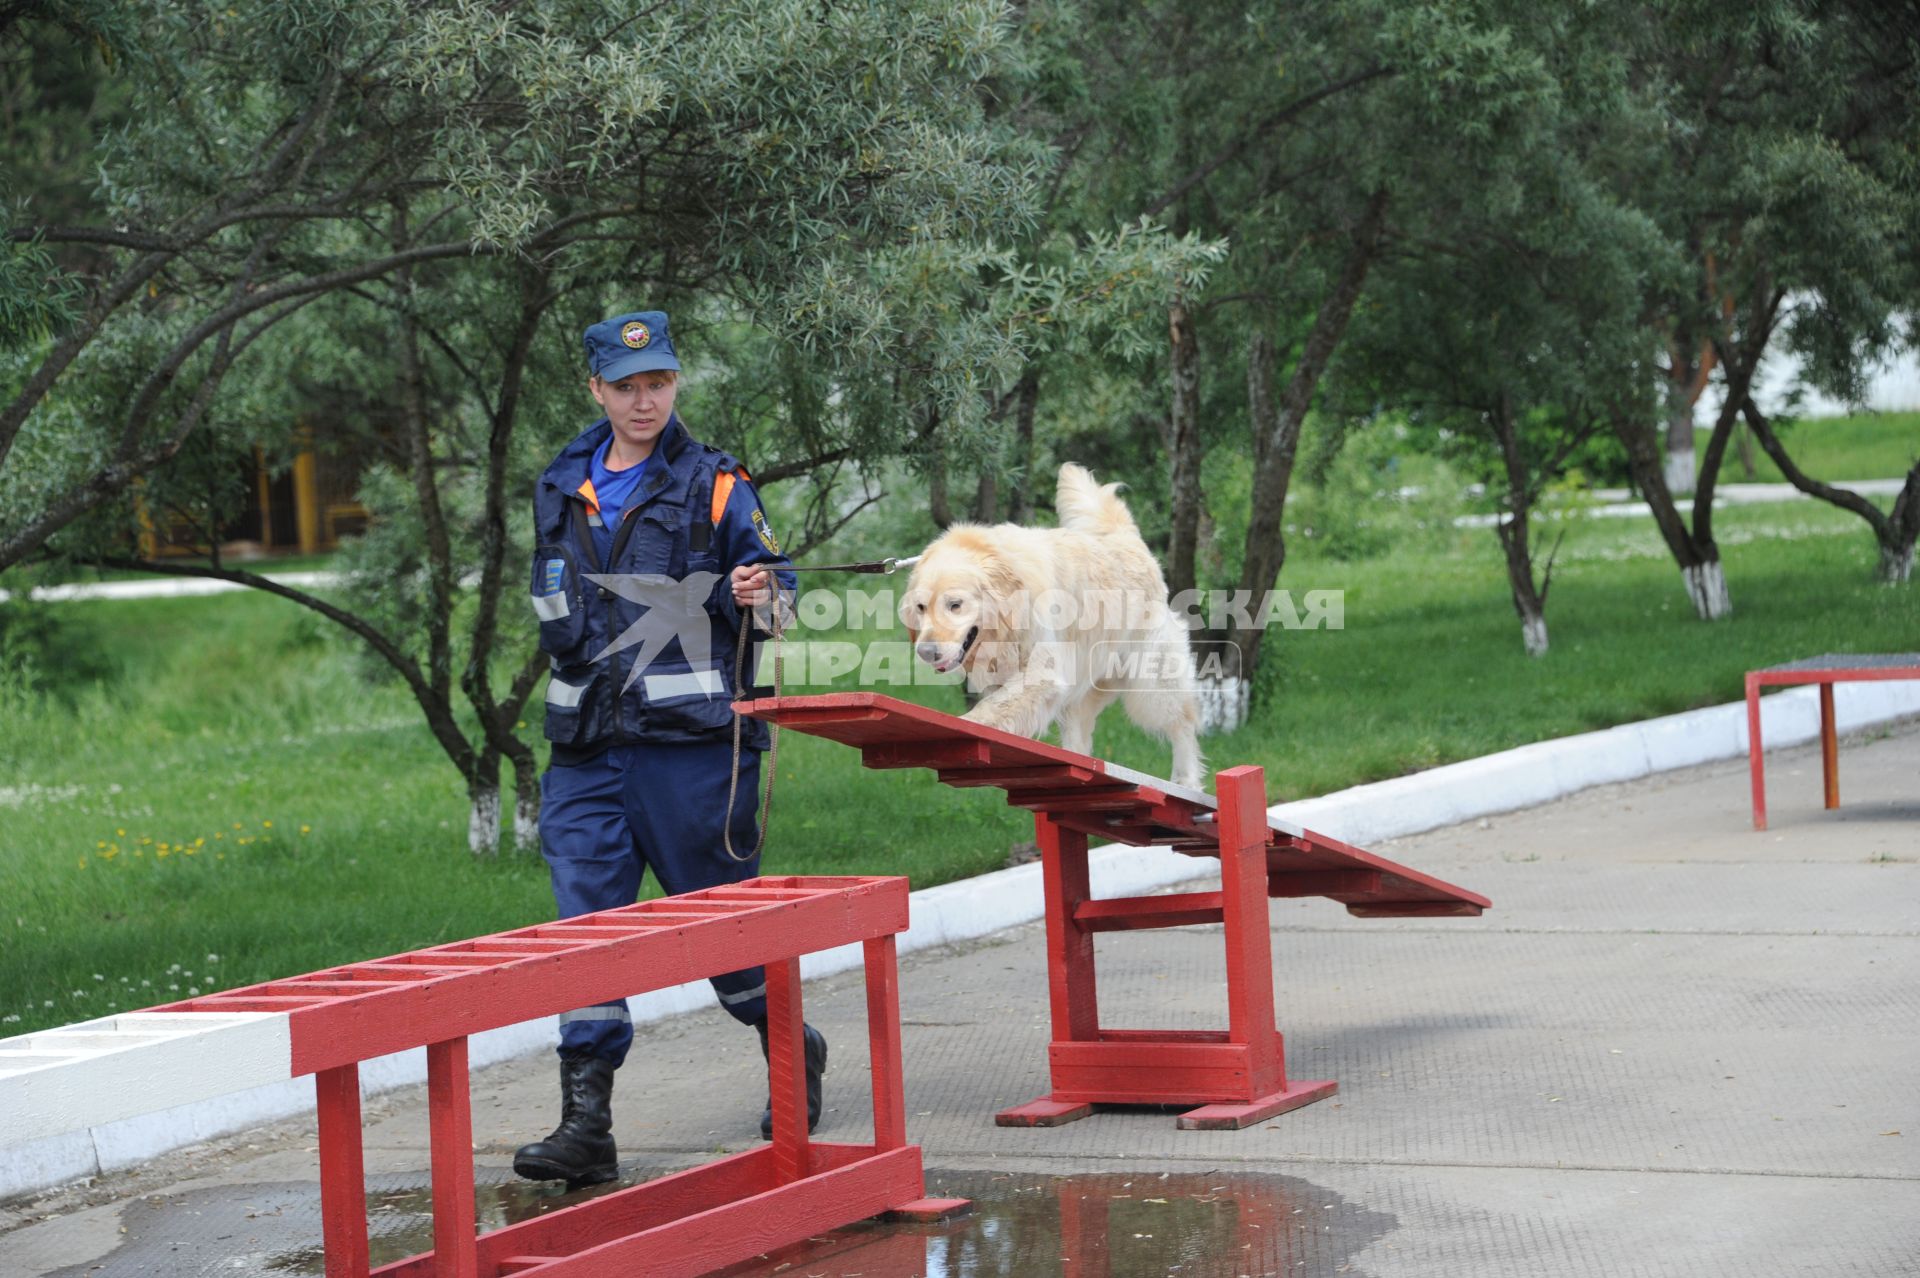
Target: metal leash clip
point(880, 567)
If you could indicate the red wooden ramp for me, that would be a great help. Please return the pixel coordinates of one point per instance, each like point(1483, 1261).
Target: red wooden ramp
point(1235, 1076)
point(691, 1222)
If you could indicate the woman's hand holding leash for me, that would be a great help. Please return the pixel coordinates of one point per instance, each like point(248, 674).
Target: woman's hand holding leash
point(752, 585)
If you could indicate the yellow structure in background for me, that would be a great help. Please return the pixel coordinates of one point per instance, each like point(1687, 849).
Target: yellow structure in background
point(305, 508)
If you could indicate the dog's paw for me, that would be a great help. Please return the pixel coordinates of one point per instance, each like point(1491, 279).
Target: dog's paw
point(983, 714)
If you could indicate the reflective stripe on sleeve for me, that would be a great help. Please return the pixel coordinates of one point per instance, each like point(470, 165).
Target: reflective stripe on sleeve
point(660, 687)
point(551, 607)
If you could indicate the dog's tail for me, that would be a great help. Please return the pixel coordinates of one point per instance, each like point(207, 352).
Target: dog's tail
point(1087, 505)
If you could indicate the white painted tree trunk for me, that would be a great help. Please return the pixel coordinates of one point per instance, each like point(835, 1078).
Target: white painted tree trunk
point(1224, 702)
point(1707, 587)
point(1679, 471)
point(1896, 566)
point(526, 820)
point(483, 822)
point(1533, 633)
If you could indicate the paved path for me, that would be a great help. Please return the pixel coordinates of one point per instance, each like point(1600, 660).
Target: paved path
point(1675, 1047)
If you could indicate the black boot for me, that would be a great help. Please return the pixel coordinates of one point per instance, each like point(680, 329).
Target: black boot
point(580, 1151)
point(816, 1044)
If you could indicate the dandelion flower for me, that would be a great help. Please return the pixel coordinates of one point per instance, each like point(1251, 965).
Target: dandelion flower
point(306, 829)
point(120, 833)
point(267, 824)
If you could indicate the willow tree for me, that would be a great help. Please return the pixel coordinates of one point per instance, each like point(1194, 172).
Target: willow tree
point(427, 200)
point(1784, 181)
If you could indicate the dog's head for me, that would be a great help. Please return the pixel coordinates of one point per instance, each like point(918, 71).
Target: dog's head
point(957, 597)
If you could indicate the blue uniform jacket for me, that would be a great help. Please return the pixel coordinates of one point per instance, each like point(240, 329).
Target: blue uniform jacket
point(642, 646)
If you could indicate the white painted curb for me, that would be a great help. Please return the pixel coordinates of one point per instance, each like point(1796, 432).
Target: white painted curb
point(979, 906)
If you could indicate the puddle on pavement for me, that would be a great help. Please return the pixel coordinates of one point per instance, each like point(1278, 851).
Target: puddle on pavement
point(1216, 1224)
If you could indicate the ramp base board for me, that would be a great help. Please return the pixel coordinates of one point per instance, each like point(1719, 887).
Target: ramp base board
point(1232, 1117)
point(1045, 1112)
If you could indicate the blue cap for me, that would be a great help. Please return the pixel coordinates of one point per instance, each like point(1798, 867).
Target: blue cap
point(629, 344)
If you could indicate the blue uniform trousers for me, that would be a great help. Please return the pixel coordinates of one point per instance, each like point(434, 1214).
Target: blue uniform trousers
point(604, 821)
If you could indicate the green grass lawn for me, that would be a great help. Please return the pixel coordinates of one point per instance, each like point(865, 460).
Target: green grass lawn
point(1834, 449)
point(228, 786)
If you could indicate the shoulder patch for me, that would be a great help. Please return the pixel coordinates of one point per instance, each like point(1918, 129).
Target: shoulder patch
point(765, 533)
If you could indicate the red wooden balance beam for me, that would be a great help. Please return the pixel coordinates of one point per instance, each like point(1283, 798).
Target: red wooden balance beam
point(1826, 670)
point(691, 1222)
point(1235, 1077)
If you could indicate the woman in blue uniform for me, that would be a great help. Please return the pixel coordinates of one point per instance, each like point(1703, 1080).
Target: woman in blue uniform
point(651, 554)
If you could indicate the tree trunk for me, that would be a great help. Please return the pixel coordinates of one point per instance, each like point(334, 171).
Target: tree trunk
point(1020, 500)
point(1678, 468)
point(938, 505)
point(1226, 691)
point(526, 803)
point(1643, 460)
point(1529, 601)
point(1706, 584)
point(1896, 564)
point(1894, 531)
point(1265, 551)
point(986, 499)
point(1183, 453)
point(1743, 442)
point(483, 805)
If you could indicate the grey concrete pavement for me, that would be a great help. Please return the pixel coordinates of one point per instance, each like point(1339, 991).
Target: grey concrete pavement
point(1674, 1047)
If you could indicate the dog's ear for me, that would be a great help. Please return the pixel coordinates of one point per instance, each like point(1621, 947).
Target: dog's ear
point(909, 613)
point(1001, 584)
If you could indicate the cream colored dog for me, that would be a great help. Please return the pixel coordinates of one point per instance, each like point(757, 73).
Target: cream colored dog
point(1054, 623)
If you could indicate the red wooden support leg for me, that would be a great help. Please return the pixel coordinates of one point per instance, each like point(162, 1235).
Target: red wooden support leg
point(1242, 794)
point(1071, 990)
point(787, 1071)
point(343, 1181)
point(450, 1116)
point(889, 1094)
point(1243, 905)
point(1756, 766)
point(1829, 747)
point(883, 1039)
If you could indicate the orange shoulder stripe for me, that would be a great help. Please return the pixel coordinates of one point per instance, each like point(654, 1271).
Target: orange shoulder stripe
point(722, 489)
